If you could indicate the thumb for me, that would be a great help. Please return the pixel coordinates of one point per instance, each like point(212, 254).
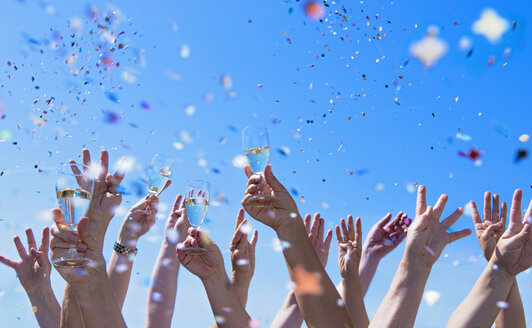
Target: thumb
point(272, 181)
point(524, 235)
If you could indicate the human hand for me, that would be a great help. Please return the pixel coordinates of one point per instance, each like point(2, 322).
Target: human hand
point(427, 237)
point(385, 236)
point(349, 246)
point(87, 246)
point(105, 195)
point(203, 264)
point(177, 224)
point(268, 201)
point(242, 251)
point(33, 269)
point(139, 219)
point(514, 250)
point(315, 233)
point(490, 230)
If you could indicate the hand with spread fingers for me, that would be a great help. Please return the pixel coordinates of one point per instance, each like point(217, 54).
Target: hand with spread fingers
point(513, 252)
point(425, 241)
point(427, 237)
point(512, 255)
point(315, 233)
point(489, 230)
point(106, 196)
point(268, 201)
point(383, 237)
point(33, 271)
point(242, 257)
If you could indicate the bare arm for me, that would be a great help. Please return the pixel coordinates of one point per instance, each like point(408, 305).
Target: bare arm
point(514, 314)
point(162, 294)
point(33, 271)
point(71, 312)
point(426, 239)
point(289, 315)
point(315, 293)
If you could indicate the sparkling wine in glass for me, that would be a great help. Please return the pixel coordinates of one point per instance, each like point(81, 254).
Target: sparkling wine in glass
point(256, 146)
point(197, 195)
point(159, 171)
point(74, 193)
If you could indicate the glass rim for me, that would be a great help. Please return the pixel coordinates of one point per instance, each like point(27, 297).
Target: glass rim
point(254, 126)
point(193, 181)
point(62, 168)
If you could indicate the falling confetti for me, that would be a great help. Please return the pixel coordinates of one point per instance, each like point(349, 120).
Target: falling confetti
point(431, 297)
point(524, 138)
point(491, 25)
point(307, 283)
point(315, 10)
point(430, 49)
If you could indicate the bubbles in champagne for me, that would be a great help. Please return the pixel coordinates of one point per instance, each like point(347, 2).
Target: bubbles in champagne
point(258, 158)
point(157, 179)
point(74, 204)
point(196, 210)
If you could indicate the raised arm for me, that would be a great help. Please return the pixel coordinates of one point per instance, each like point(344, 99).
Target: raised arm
point(384, 237)
point(289, 315)
point(138, 221)
point(512, 255)
point(349, 254)
point(270, 203)
point(89, 283)
point(105, 199)
point(208, 265)
point(425, 241)
point(162, 293)
point(33, 271)
point(242, 258)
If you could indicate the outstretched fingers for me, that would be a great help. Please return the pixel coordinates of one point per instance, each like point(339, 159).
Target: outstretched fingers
point(351, 226)
point(487, 206)
point(421, 202)
point(45, 241)
point(451, 219)
point(382, 223)
point(475, 215)
point(31, 239)
point(358, 232)
point(10, 263)
point(454, 236)
point(515, 210)
point(20, 248)
point(306, 221)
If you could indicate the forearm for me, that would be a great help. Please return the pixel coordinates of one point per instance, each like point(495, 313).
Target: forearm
point(241, 290)
point(98, 304)
point(289, 316)
point(45, 306)
point(401, 303)
point(367, 269)
point(514, 314)
point(221, 297)
point(479, 308)
point(354, 300)
point(321, 309)
point(119, 269)
point(162, 294)
point(70, 311)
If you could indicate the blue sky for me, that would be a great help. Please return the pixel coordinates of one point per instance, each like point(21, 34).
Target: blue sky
point(331, 102)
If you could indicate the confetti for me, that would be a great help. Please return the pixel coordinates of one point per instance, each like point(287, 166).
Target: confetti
point(502, 305)
point(315, 10)
point(307, 283)
point(524, 138)
point(184, 52)
point(431, 297)
point(430, 49)
point(490, 25)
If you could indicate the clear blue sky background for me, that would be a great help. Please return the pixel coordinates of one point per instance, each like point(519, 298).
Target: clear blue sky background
point(357, 125)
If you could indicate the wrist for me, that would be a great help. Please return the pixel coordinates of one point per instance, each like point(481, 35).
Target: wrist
point(239, 280)
point(127, 238)
point(40, 293)
point(369, 258)
point(217, 277)
point(289, 228)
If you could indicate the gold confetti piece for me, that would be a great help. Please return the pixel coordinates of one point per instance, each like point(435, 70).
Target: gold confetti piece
point(34, 309)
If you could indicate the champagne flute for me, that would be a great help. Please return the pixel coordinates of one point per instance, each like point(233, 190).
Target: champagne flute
point(256, 146)
point(197, 194)
point(159, 171)
point(74, 193)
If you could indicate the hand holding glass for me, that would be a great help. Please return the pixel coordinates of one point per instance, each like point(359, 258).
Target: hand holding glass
point(159, 172)
point(256, 146)
point(74, 193)
point(197, 204)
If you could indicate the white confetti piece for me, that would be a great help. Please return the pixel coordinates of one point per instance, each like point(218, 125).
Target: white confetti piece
point(429, 49)
point(465, 43)
point(502, 305)
point(125, 164)
point(156, 297)
point(431, 297)
point(463, 137)
point(172, 235)
point(177, 145)
point(185, 136)
point(239, 161)
point(410, 188)
point(491, 25)
point(340, 302)
point(379, 187)
point(226, 81)
point(247, 228)
point(242, 262)
point(468, 209)
point(190, 110)
point(184, 51)
point(524, 137)
point(219, 319)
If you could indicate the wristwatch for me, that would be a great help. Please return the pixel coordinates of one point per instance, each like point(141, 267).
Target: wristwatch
point(123, 250)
